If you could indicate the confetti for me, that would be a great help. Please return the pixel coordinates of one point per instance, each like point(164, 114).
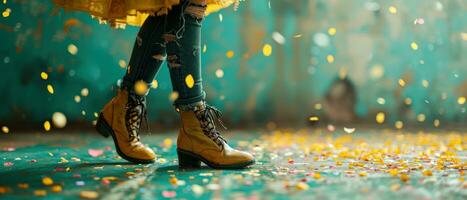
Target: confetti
point(7, 164)
point(72, 49)
point(219, 73)
point(84, 92)
point(330, 58)
point(349, 130)
point(50, 89)
point(267, 50)
point(59, 120)
point(189, 81)
point(380, 117)
point(95, 152)
point(141, 88)
point(44, 76)
point(332, 31)
point(47, 126)
point(229, 54)
point(5, 129)
point(461, 100)
point(47, 181)
point(88, 194)
point(279, 38)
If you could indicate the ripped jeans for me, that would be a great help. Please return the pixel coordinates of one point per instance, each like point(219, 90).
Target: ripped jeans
point(175, 37)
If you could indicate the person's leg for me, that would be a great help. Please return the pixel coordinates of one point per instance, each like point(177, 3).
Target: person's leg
point(121, 118)
point(198, 140)
point(148, 53)
point(183, 38)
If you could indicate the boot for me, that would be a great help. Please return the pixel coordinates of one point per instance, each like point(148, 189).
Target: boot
point(199, 140)
point(121, 118)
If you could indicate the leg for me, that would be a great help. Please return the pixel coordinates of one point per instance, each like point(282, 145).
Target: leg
point(121, 118)
point(148, 53)
point(199, 140)
point(183, 39)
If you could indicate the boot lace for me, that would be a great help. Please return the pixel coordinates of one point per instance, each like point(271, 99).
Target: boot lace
point(208, 118)
point(136, 113)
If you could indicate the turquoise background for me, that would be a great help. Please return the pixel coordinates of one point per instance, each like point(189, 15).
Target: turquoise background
point(368, 38)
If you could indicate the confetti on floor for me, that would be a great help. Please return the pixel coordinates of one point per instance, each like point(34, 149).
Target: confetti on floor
point(365, 164)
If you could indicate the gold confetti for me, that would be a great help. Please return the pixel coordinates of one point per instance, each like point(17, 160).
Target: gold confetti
point(436, 123)
point(56, 188)
point(47, 181)
point(318, 106)
point(23, 185)
point(461, 100)
point(77, 99)
point(392, 9)
point(425, 83)
point(50, 89)
point(332, 31)
point(317, 175)
point(330, 58)
point(313, 118)
point(362, 174)
point(6, 13)
point(154, 84)
point(414, 45)
point(5, 129)
point(190, 82)
point(302, 186)
point(427, 172)
point(408, 101)
point(421, 117)
point(40, 192)
point(205, 48)
point(72, 49)
point(381, 101)
point(267, 50)
point(219, 73)
point(141, 87)
point(59, 119)
point(404, 177)
point(229, 54)
point(47, 126)
point(173, 96)
point(380, 117)
point(401, 82)
point(399, 124)
point(84, 92)
point(87, 194)
point(44, 75)
point(122, 63)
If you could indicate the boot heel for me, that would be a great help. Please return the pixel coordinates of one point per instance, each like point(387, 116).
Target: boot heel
point(187, 161)
point(102, 127)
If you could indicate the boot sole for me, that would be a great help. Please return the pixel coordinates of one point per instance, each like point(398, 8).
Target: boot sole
point(106, 130)
point(188, 159)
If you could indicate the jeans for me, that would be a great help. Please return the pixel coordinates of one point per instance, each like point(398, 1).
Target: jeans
point(177, 37)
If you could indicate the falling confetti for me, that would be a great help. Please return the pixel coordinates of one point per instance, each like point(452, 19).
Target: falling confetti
point(399, 124)
point(392, 9)
point(330, 58)
point(50, 89)
point(47, 181)
point(380, 117)
point(189, 81)
point(154, 84)
point(267, 50)
point(59, 119)
point(461, 100)
point(5, 129)
point(219, 73)
point(279, 38)
point(349, 130)
point(332, 31)
point(141, 87)
point(44, 75)
point(47, 126)
point(84, 92)
point(414, 46)
point(229, 54)
point(87, 194)
point(72, 49)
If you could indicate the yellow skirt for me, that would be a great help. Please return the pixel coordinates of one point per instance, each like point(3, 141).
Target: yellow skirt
point(118, 13)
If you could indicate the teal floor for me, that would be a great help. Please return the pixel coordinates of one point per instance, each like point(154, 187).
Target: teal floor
point(303, 165)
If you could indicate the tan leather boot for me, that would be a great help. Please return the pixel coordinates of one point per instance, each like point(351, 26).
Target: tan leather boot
point(199, 140)
point(121, 118)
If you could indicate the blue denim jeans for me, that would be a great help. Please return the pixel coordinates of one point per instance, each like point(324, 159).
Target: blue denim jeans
point(175, 37)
